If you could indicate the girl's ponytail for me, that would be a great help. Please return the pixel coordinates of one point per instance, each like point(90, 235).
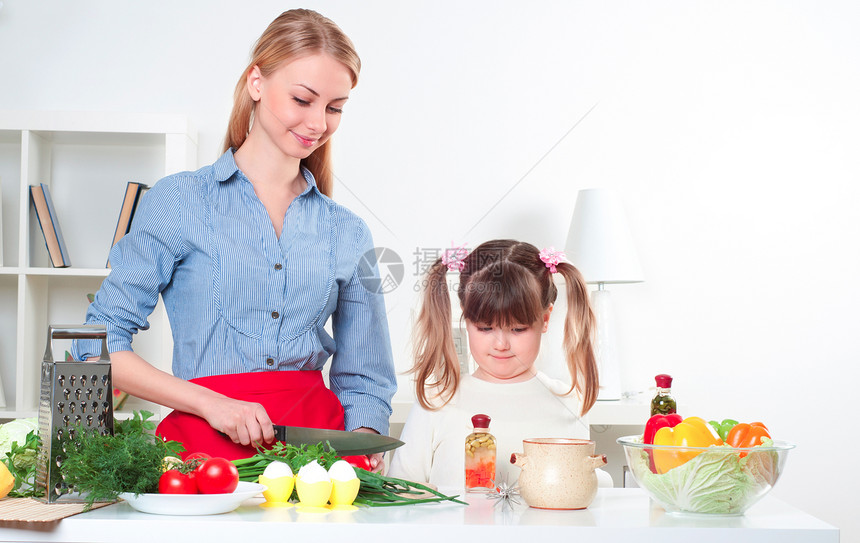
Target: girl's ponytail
point(579, 329)
point(436, 365)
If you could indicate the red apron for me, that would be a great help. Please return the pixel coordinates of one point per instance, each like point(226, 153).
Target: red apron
point(292, 398)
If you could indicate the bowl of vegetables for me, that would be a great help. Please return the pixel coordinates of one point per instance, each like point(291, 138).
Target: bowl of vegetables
point(690, 466)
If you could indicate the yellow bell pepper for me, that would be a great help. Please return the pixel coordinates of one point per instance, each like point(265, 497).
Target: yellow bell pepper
point(691, 432)
point(7, 480)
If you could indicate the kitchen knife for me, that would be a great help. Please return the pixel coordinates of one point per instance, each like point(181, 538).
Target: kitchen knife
point(345, 443)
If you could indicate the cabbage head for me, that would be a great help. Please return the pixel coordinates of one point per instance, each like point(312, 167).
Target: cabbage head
point(713, 482)
point(16, 431)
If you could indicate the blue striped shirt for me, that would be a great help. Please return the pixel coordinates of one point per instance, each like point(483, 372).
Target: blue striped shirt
point(240, 299)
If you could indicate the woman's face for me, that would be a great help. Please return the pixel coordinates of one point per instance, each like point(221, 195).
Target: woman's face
point(506, 354)
point(299, 105)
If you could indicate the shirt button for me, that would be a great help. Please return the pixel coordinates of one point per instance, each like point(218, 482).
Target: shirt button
point(278, 266)
point(270, 362)
point(275, 314)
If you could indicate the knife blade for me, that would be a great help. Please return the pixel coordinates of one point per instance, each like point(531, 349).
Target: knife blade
point(345, 443)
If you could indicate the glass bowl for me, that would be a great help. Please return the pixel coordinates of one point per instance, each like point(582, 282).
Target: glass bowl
point(717, 480)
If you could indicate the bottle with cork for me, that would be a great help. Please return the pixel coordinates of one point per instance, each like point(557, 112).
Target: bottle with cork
point(663, 403)
point(480, 456)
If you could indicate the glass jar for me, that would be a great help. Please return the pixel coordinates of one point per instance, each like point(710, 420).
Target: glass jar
point(663, 403)
point(480, 456)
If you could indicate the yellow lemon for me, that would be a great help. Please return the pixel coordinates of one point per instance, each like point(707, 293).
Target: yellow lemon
point(344, 492)
point(278, 489)
point(313, 494)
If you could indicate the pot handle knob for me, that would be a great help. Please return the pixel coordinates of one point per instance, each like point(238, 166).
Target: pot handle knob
point(596, 461)
point(518, 459)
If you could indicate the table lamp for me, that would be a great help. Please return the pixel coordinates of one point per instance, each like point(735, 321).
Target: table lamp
point(600, 245)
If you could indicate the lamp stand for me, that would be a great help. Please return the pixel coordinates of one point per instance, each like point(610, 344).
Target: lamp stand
point(608, 367)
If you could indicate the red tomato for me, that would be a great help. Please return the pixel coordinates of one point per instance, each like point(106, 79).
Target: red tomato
point(196, 459)
point(200, 455)
point(174, 481)
point(361, 461)
point(217, 476)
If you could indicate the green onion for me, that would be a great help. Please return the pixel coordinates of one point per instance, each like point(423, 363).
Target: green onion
point(375, 490)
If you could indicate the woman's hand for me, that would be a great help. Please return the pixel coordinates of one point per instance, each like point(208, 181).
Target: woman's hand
point(243, 422)
point(377, 460)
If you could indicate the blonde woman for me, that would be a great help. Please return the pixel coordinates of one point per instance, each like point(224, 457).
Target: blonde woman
point(252, 258)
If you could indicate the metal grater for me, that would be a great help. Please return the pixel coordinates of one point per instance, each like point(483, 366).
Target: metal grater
point(74, 395)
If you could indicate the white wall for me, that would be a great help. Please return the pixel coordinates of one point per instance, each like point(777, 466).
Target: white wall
point(729, 128)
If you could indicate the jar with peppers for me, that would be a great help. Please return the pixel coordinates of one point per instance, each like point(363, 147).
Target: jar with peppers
point(663, 403)
point(480, 456)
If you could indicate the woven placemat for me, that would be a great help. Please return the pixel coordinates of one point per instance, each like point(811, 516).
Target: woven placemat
point(30, 510)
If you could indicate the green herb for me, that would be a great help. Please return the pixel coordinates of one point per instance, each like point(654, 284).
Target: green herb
point(295, 457)
point(21, 461)
point(103, 466)
point(375, 490)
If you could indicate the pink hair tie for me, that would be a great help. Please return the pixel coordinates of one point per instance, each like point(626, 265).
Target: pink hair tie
point(551, 258)
point(453, 257)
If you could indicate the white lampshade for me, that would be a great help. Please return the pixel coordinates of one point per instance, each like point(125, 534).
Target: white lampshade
point(599, 241)
point(600, 245)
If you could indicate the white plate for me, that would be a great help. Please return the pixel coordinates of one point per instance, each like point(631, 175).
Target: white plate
point(192, 504)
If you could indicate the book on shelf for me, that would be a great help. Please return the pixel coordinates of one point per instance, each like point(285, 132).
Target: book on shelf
point(133, 192)
point(41, 196)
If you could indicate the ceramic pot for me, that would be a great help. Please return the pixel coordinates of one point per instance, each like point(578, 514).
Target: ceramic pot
point(558, 473)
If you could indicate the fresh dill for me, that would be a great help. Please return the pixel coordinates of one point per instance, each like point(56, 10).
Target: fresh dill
point(103, 466)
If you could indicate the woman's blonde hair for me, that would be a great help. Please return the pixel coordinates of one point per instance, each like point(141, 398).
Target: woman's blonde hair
point(503, 282)
point(295, 33)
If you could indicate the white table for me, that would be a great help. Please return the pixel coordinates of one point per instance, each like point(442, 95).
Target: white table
point(616, 515)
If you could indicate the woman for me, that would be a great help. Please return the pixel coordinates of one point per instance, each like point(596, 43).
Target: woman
point(251, 258)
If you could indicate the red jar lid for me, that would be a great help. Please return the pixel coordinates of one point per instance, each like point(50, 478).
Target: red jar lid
point(481, 421)
point(663, 380)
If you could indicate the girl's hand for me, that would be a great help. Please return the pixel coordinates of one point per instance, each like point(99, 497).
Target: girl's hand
point(243, 422)
point(377, 461)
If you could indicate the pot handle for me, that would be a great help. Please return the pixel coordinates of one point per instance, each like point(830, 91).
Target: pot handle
point(596, 461)
point(518, 459)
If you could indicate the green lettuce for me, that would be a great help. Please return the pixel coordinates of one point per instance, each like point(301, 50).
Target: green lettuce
point(715, 481)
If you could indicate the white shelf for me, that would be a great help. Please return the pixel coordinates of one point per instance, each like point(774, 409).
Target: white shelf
point(604, 413)
point(86, 158)
point(619, 413)
point(65, 272)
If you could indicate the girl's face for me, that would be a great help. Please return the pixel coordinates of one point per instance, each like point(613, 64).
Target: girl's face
point(299, 105)
point(506, 354)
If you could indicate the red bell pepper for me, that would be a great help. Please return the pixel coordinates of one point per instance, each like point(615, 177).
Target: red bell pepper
point(655, 423)
point(659, 421)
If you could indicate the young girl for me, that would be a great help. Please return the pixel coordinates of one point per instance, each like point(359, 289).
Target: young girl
point(506, 293)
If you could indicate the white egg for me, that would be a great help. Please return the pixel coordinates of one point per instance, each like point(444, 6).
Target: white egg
point(277, 469)
point(341, 471)
point(313, 473)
